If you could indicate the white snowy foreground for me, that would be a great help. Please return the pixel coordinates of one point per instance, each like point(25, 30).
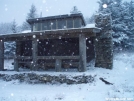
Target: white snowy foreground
point(122, 77)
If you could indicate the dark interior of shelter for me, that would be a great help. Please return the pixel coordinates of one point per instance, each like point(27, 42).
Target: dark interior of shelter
point(57, 47)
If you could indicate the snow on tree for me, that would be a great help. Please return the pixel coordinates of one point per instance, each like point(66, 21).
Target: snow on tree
point(121, 18)
point(74, 10)
point(131, 23)
point(5, 28)
point(11, 46)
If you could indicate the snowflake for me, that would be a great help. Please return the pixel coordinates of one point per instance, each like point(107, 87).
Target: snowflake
point(59, 37)
point(96, 39)
point(12, 94)
point(51, 23)
point(6, 9)
point(104, 5)
point(46, 10)
point(34, 36)
point(90, 41)
point(40, 33)
point(46, 42)
point(65, 27)
point(115, 2)
point(44, 1)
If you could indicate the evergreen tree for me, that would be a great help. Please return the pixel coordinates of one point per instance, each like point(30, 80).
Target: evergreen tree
point(121, 18)
point(32, 14)
point(10, 46)
point(90, 20)
point(14, 26)
point(5, 28)
point(131, 24)
point(74, 10)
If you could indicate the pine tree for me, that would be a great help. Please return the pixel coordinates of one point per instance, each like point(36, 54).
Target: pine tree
point(120, 17)
point(14, 26)
point(131, 24)
point(5, 28)
point(90, 20)
point(32, 14)
point(74, 10)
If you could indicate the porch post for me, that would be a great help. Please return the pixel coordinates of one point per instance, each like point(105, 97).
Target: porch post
point(58, 63)
point(82, 53)
point(34, 53)
point(18, 53)
point(1, 55)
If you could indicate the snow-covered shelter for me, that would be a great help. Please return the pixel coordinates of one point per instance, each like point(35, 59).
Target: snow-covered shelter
point(62, 41)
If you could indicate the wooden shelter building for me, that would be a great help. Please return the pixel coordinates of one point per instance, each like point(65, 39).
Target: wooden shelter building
point(56, 41)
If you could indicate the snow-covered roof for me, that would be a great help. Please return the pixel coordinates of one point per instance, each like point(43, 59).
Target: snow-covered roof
point(90, 26)
point(26, 31)
point(30, 21)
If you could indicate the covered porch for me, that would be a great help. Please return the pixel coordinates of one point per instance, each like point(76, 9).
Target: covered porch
point(81, 34)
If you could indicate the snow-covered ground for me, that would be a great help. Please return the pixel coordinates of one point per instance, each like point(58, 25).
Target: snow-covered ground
point(122, 77)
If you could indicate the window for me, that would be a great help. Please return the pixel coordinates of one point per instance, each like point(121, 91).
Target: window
point(37, 26)
point(70, 23)
point(77, 22)
point(44, 25)
point(61, 23)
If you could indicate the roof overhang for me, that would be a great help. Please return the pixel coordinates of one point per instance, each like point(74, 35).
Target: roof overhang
point(51, 34)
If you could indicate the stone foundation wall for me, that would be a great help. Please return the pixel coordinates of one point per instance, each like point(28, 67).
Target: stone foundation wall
point(33, 78)
point(103, 42)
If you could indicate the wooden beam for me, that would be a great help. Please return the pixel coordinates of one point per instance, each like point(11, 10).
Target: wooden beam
point(48, 36)
point(58, 57)
point(82, 53)
point(58, 64)
point(1, 55)
point(34, 53)
point(24, 57)
point(53, 32)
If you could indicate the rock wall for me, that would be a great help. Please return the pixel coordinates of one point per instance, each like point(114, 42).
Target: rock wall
point(103, 42)
point(33, 78)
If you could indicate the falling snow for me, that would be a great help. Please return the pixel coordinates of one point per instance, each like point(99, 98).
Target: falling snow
point(104, 5)
point(34, 36)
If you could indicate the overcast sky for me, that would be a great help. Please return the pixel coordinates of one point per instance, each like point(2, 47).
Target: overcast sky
point(18, 9)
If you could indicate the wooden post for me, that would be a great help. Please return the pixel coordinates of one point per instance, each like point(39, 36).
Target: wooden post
point(34, 53)
point(58, 65)
point(18, 53)
point(1, 55)
point(82, 53)
point(56, 24)
point(73, 23)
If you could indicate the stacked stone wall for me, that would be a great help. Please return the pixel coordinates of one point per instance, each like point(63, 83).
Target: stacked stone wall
point(103, 42)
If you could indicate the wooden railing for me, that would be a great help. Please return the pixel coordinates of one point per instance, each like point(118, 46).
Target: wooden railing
point(58, 60)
